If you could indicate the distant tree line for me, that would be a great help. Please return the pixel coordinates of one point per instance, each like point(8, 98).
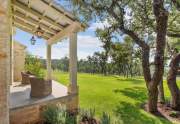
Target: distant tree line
point(120, 58)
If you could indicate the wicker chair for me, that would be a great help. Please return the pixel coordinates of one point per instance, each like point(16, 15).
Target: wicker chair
point(40, 87)
point(25, 77)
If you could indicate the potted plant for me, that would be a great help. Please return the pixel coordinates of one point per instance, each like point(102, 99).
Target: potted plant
point(40, 87)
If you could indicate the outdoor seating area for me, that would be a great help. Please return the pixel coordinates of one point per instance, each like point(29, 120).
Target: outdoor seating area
point(25, 109)
point(20, 95)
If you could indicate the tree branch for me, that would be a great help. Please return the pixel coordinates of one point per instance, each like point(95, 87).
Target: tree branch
point(174, 35)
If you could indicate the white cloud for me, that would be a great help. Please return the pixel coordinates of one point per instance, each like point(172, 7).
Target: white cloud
point(88, 41)
point(87, 45)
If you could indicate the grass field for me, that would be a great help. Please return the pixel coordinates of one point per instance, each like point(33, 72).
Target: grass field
point(116, 95)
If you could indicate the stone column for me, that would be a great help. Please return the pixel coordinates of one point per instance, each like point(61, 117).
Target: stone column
point(49, 62)
point(73, 88)
point(4, 60)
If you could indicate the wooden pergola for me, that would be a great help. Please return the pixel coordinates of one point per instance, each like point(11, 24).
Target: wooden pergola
point(29, 15)
point(53, 19)
point(55, 22)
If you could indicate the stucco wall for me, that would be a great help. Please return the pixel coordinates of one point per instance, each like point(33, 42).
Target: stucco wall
point(19, 60)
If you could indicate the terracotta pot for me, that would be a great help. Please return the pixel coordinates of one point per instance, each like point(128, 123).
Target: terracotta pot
point(40, 87)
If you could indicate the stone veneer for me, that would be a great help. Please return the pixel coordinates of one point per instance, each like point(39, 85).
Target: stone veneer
point(4, 61)
point(32, 114)
point(18, 60)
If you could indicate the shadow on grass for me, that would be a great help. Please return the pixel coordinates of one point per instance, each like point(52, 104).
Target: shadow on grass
point(132, 80)
point(137, 93)
point(132, 114)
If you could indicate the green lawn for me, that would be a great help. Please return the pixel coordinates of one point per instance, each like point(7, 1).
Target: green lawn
point(117, 95)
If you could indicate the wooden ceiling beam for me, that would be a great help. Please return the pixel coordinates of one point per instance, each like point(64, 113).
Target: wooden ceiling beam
point(33, 28)
point(33, 22)
point(75, 27)
point(48, 6)
point(26, 9)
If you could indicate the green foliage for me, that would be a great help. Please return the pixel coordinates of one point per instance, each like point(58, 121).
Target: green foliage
point(55, 114)
point(33, 65)
point(125, 58)
point(89, 113)
point(58, 115)
point(105, 118)
point(174, 114)
point(174, 43)
point(105, 37)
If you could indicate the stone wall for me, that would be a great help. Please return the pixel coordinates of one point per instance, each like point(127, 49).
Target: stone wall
point(19, 60)
point(26, 115)
point(4, 61)
point(32, 114)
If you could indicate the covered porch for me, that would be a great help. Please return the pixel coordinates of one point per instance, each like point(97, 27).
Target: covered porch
point(20, 95)
point(55, 24)
point(24, 109)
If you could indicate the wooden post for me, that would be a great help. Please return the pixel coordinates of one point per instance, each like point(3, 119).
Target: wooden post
point(49, 62)
point(73, 63)
point(73, 104)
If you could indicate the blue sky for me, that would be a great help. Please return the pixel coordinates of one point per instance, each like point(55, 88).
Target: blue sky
point(88, 43)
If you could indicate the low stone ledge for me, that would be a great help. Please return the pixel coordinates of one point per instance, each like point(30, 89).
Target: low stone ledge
point(31, 113)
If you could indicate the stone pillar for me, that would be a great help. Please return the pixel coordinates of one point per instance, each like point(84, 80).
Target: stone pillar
point(73, 88)
point(49, 62)
point(4, 60)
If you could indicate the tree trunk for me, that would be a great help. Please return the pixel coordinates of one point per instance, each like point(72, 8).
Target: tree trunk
point(152, 98)
point(161, 19)
point(171, 80)
point(152, 88)
point(161, 98)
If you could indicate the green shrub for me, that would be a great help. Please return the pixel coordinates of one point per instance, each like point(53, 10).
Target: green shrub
point(33, 65)
point(87, 116)
point(58, 115)
point(105, 119)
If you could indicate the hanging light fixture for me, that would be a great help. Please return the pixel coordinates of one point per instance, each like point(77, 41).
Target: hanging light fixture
point(39, 32)
point(33, 40)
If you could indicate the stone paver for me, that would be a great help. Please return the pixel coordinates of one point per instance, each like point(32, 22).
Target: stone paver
point(20, 95)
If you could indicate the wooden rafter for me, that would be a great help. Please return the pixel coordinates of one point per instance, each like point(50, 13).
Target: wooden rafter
point(53, 20)
point(61, 14)
point(35, 13)
point(33, 28)
point(65, 33)
point(33, 22)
